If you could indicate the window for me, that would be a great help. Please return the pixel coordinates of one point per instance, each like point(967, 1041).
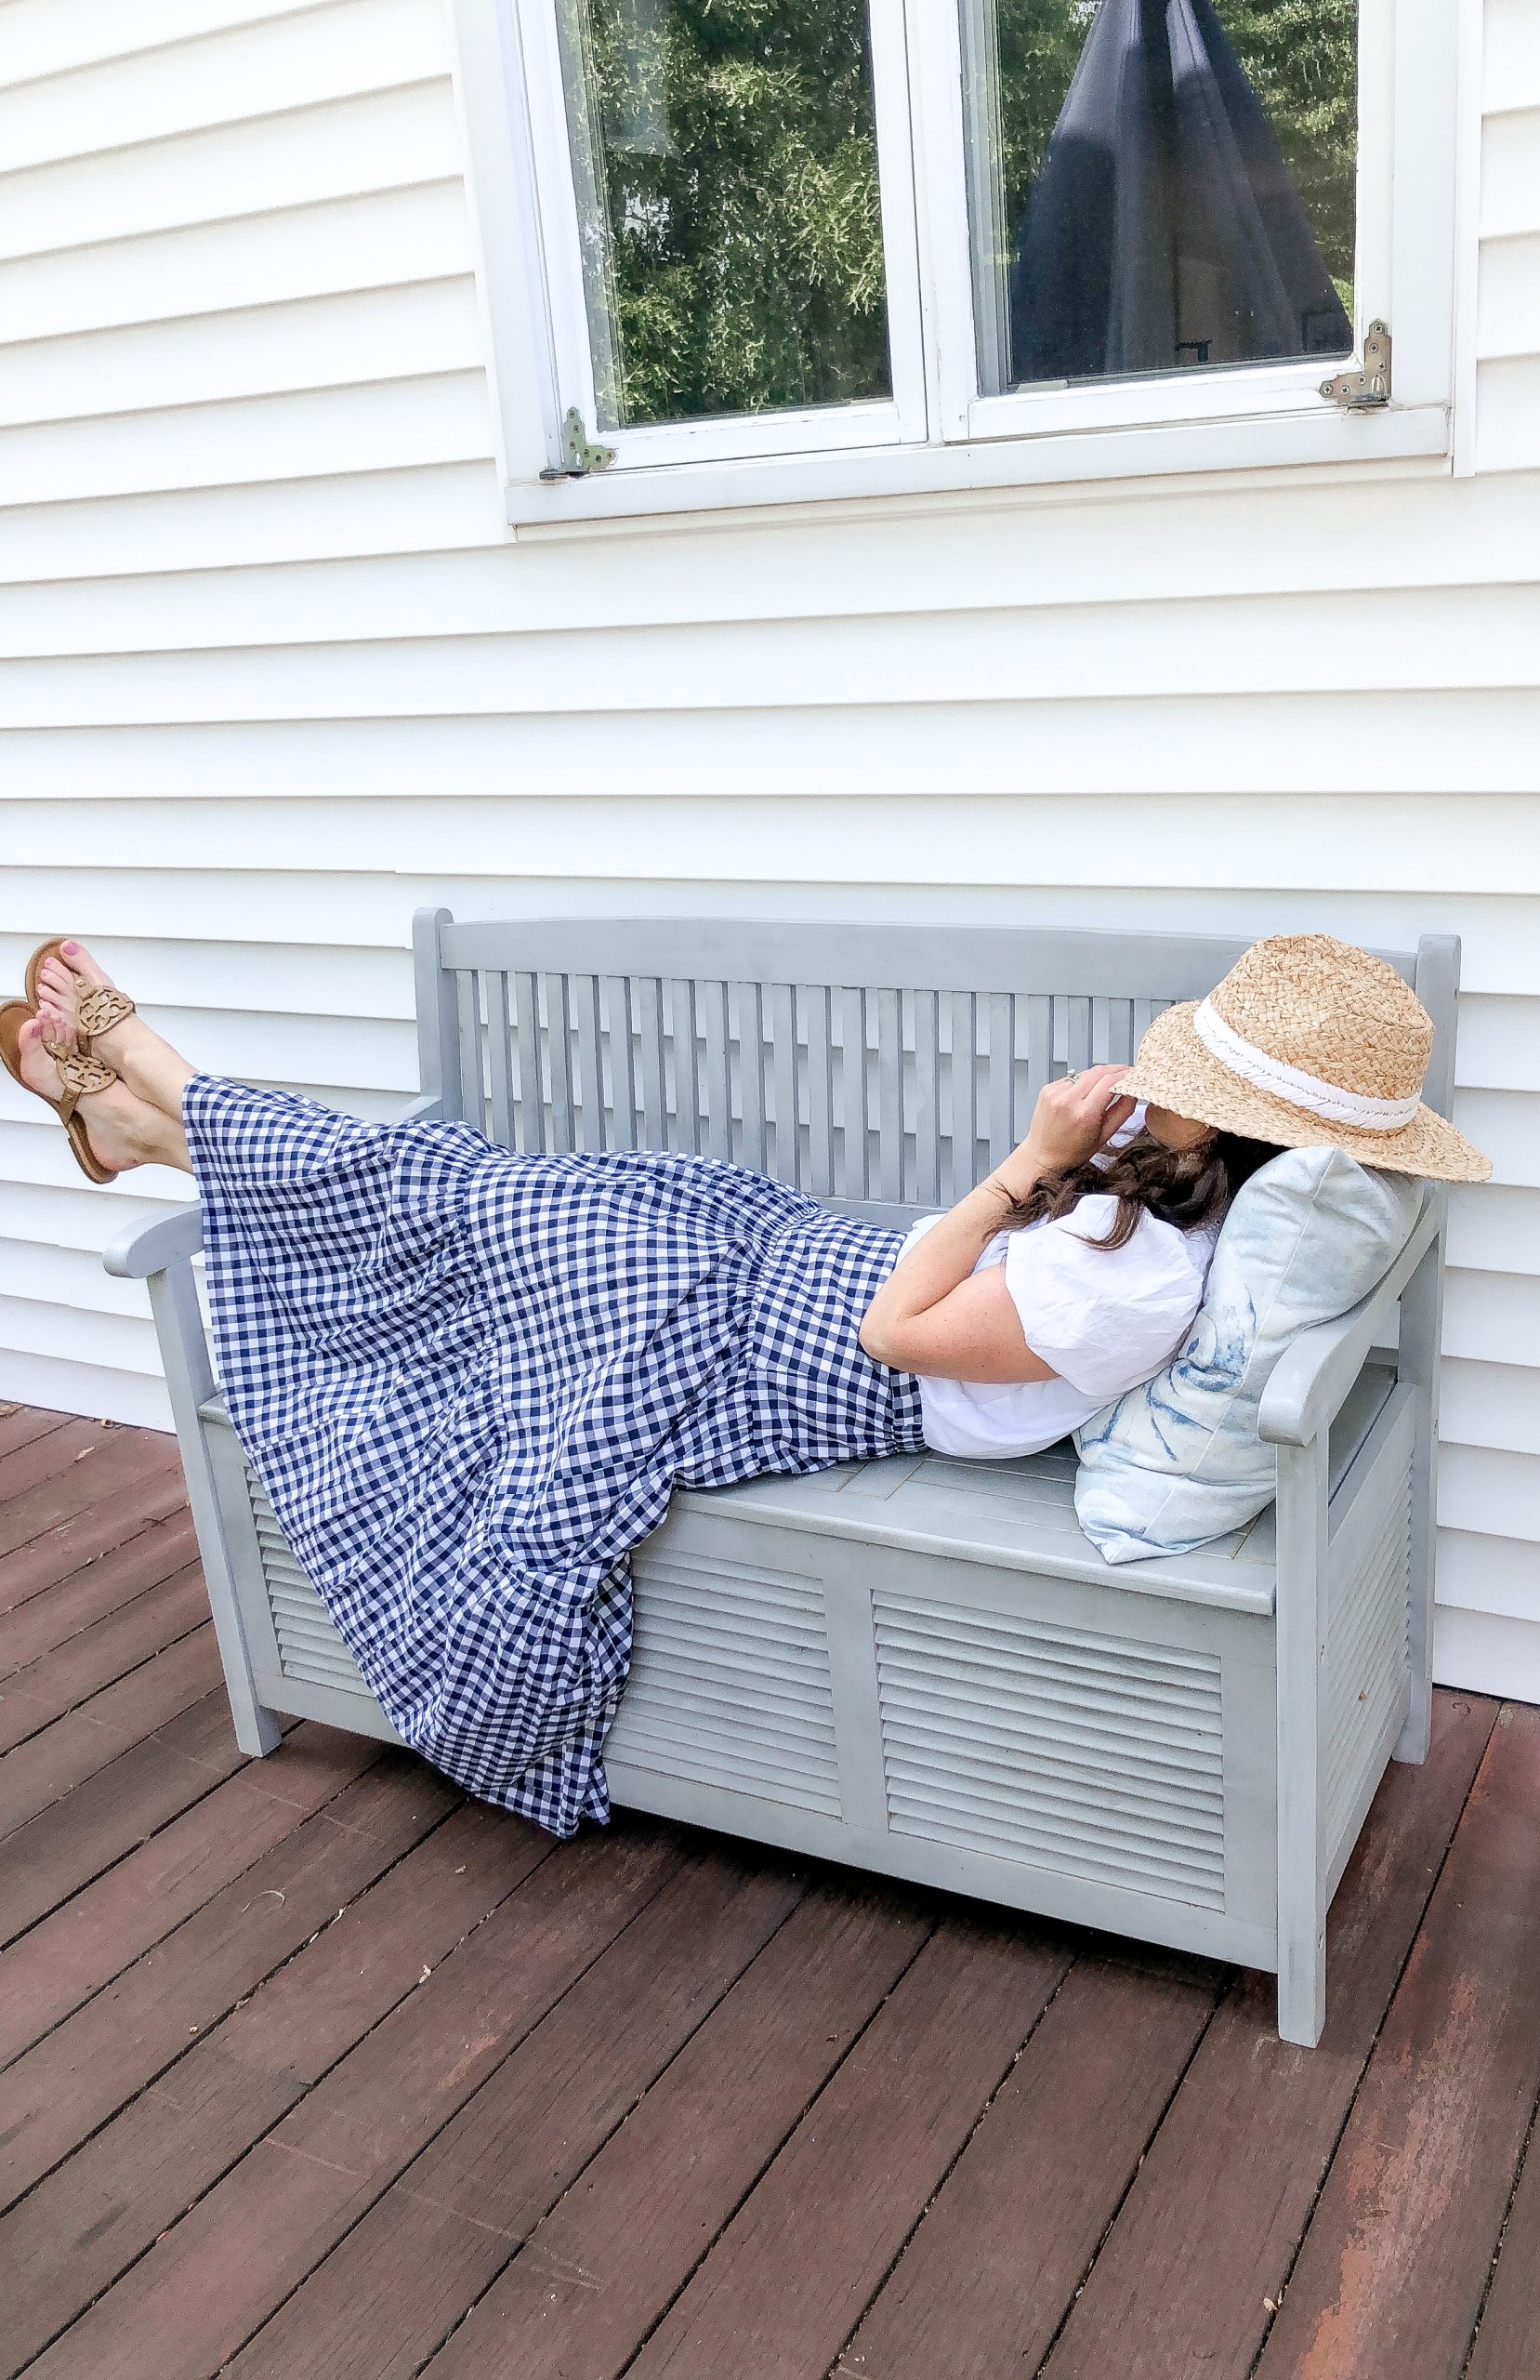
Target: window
point(746, 250)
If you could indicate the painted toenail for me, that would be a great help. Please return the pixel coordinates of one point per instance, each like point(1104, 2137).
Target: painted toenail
point(68, 948)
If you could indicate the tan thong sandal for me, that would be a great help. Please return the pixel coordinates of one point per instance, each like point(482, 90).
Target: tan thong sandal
point(80, 1074)
point(97, 1005)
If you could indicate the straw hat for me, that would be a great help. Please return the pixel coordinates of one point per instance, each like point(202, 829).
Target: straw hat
point(1308, 1041)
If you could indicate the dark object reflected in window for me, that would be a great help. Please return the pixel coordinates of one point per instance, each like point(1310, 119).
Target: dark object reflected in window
point(1163, 231)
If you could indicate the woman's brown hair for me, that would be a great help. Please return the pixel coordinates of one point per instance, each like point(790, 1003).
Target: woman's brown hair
point(1187, 1188)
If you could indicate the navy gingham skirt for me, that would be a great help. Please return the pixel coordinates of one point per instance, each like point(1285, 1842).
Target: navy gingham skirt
point(469, 1381)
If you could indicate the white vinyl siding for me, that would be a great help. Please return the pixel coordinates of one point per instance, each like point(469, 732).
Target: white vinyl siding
point(275, 672)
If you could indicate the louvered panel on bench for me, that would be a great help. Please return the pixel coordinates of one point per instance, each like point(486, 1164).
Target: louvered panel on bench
point(901, 1096)
point(308, 1646)
point(1367, 1658)
point(730, 1681)
point(1087, 1754)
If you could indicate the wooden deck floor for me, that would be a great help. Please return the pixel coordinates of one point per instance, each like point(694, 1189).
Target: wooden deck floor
point(314, 2067)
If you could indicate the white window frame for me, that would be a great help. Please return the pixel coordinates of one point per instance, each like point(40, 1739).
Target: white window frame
point(938, 433)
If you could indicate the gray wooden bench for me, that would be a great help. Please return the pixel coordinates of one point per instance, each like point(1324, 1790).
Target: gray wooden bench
point(919, 1666)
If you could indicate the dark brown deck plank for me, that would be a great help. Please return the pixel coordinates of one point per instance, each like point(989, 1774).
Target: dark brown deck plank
point(206, 2288)
point(1024, 2207)
point(72, 2236)
point(61, 1679)
point(1507, 2345)
point(47, 1455)
point(20, 1424)
point(85, 2069)
point(119, 1461)
point(388, 2295)
point(1390, 2278)
point(1220, 2203)
point(606, 2262)
point(51, 1858)
point(81, 1946)
point(103, 1586)
point(789, 2278)
point(37, 1775)
point(97, 1529)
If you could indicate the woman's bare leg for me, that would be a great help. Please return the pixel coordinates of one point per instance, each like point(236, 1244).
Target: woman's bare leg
point(151, 1068)
point(122, 1129)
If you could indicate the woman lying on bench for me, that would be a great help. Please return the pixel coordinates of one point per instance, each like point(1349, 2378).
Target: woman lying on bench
point(469, 1380)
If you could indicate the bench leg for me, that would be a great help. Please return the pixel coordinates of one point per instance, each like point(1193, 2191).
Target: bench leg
point(1421, 1328)
point(190, 1379)
point(1303, 1479)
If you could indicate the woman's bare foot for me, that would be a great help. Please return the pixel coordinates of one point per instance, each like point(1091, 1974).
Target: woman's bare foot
point(123, 1129)
point(150, 1066)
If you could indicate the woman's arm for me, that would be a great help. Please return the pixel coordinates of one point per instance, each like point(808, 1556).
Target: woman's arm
point(934, 1314)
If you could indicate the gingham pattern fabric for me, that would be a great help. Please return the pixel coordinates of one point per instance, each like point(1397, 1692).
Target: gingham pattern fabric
point(469, 1382)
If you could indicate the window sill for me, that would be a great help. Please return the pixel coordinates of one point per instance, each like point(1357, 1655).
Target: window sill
point(1323, 435)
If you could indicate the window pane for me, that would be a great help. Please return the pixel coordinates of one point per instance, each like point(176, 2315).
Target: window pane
point(725, 159)
point(1159, 185)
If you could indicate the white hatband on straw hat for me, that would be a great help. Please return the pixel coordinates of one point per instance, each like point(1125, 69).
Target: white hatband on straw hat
point(1308, 1041)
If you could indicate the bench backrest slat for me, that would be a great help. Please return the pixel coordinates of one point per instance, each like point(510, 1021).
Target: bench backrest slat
point(882, 1069)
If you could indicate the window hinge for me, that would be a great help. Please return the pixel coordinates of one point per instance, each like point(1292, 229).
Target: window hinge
point(579, 456)
point(1358, 390)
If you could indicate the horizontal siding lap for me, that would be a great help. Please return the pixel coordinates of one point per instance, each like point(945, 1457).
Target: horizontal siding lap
point(341, 149)
point(387, 511)
point(1508, 413)
point(1354, 646)
point(207, 877)
point(359, 339)
point(438, 418)
point(1507, 319)
point(1434, 538)
point(1487, 1653)
point(1492, 1491)
point(1411, 742)
point(378, 240)
point(1491, 1405)
point(1510, 201)
point(289, 61)
point(58, 36)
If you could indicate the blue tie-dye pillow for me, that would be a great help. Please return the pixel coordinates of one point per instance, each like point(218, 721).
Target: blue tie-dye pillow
point(1178, 1461)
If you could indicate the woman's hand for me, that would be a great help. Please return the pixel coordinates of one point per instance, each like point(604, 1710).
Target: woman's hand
point(1071, 1120)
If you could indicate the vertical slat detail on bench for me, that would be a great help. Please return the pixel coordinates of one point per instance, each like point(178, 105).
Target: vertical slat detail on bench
point(788, 1138)
point(590, 1081)
point(814, 1006)
point(654, 1062)
point(926, 1010)
point(616, 990)
point(1002, 1073)
point(749, 1002)
point(686, 1109)
point(1039, 1048)
point(962, 1147)
point(500, 1056)
point(472, 1091)
point(531, 1072)
point(890, 1062)
point(852, 1094)
point(1077, 1034)
point(560, 1048)
point(715, 1023)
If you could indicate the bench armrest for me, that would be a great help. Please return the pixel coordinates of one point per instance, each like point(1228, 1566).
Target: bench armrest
point(143, 1249)
point(1313, 1375)
point(427, 1110)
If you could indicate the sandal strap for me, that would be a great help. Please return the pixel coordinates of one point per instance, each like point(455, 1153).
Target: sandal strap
point(100, 1009)
point(80, 1073)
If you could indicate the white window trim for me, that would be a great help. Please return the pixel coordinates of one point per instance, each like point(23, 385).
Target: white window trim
point(938, 434)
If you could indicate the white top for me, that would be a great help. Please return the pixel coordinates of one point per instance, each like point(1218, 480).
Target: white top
point(1104, 1318)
